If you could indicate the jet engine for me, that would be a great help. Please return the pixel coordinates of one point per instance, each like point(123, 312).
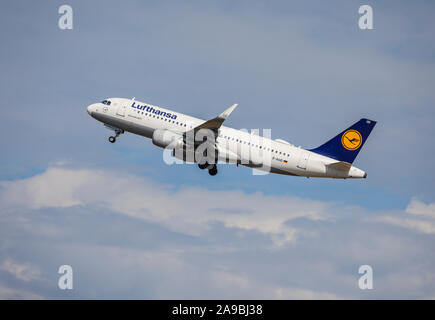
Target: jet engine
point(165, 138)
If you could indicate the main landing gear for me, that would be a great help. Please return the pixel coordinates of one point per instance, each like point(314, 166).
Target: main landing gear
point(212, 168)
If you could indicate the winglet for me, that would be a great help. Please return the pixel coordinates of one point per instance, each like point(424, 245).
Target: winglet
point(227, 112)
point(215, 123)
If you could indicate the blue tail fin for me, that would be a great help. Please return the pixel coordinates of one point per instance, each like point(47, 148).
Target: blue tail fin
point(346, 145)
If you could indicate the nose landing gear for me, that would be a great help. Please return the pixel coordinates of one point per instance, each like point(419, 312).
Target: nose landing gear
point(112, 139)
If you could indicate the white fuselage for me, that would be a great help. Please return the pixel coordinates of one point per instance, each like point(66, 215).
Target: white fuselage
point(249, 149)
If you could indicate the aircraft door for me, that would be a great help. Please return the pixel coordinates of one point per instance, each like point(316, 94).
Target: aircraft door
point(122, 106)
point(303, 159)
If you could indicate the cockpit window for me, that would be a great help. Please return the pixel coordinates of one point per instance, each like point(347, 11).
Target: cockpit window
point(106, 102)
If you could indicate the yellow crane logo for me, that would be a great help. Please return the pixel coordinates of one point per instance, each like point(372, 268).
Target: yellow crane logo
point(351, 140)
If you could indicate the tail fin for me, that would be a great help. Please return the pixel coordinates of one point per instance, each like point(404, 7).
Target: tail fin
point(346, 145)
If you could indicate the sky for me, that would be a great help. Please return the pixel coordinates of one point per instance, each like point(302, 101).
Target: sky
point(132, 227)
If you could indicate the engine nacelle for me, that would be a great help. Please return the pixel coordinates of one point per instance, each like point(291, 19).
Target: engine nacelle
point(185, 154)
point(165, 138)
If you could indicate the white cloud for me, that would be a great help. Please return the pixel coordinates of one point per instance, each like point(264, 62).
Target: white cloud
point(241, 286)
point(54, 188)
point(21, 271)
point(188, 210)
point(418, 207)
point(169, 275)
point(414, 224)
point(417, 216)
point(321, 264)
point(7, 293)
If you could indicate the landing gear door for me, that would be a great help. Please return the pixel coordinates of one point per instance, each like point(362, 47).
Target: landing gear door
point(303, 159)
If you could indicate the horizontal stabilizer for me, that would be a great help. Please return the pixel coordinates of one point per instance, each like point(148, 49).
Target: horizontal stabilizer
point(341, 165)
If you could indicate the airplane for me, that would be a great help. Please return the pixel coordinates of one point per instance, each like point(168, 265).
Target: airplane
point(178, 132)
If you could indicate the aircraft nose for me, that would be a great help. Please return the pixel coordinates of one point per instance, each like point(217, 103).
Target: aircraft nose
point(90, 109)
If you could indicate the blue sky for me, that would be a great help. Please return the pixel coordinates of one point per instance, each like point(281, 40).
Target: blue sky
point(303, 69)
